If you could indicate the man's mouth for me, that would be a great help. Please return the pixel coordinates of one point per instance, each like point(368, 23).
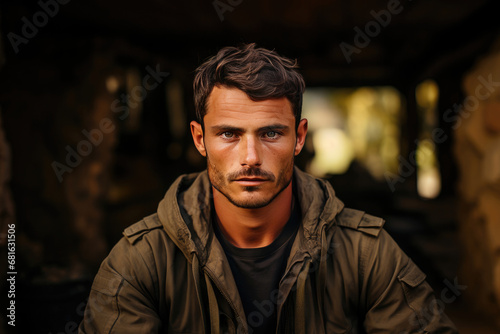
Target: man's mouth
point(250, 181)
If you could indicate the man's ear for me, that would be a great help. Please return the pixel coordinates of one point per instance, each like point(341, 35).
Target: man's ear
point(197, 133)
point(301, 135)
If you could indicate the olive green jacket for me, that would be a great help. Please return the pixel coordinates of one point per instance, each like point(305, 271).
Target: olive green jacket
point(344, 274)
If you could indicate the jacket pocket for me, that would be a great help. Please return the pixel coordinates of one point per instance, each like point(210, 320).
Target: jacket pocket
point(103, 304)
point(411, 277)
point(414, 288)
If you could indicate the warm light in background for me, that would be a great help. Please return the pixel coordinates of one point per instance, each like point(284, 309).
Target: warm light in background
point(428, 175)
point(334, 152)
point(348, 124)
point(112, 84)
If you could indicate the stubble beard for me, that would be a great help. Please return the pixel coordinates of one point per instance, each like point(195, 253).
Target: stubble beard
point(221, 183)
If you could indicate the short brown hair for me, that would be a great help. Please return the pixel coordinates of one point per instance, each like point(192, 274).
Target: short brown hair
point(262, 74)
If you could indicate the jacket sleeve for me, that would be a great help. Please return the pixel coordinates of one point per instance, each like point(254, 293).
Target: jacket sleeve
point(398, 299)
point(121, 298)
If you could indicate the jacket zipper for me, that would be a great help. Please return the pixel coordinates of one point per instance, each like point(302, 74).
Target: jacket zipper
point(278, 316)
point(238, 318)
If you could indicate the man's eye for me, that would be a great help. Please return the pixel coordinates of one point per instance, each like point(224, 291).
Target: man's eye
point(271, 134)
point(227, 134)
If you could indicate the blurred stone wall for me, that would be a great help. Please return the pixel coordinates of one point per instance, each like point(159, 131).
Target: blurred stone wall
point(477, 149)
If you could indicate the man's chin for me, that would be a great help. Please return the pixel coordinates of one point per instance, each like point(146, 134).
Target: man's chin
point(250, 203)
point(251, 189)
point(251, 198)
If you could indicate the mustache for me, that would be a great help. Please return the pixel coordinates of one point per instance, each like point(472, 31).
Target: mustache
point(252, 171)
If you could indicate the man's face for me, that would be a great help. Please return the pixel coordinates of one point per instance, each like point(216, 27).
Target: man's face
point(250, 146)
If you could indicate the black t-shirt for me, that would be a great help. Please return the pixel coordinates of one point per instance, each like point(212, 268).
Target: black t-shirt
point(258, 271)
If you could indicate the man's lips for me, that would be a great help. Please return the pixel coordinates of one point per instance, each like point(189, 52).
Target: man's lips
point(250, 181)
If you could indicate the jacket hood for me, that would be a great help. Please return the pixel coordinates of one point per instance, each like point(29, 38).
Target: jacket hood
point(186, 209)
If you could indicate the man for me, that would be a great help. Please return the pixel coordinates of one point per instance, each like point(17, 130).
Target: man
point(253, 244)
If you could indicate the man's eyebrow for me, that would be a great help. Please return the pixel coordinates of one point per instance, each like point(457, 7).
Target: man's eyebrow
point(273, 127)
point(225, 127)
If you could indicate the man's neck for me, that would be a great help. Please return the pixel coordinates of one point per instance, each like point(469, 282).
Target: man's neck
point(253, 228)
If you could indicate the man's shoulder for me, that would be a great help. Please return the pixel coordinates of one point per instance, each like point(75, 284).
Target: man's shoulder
point(144, 243)
point(136, 232)
point(363, 241)
point(360, 221)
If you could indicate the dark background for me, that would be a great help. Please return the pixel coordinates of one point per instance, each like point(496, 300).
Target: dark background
point(53, 86)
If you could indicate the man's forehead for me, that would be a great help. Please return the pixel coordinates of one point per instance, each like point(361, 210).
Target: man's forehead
point(232, 102)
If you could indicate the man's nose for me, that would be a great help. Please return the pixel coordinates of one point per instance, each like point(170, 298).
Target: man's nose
point(249, 152)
